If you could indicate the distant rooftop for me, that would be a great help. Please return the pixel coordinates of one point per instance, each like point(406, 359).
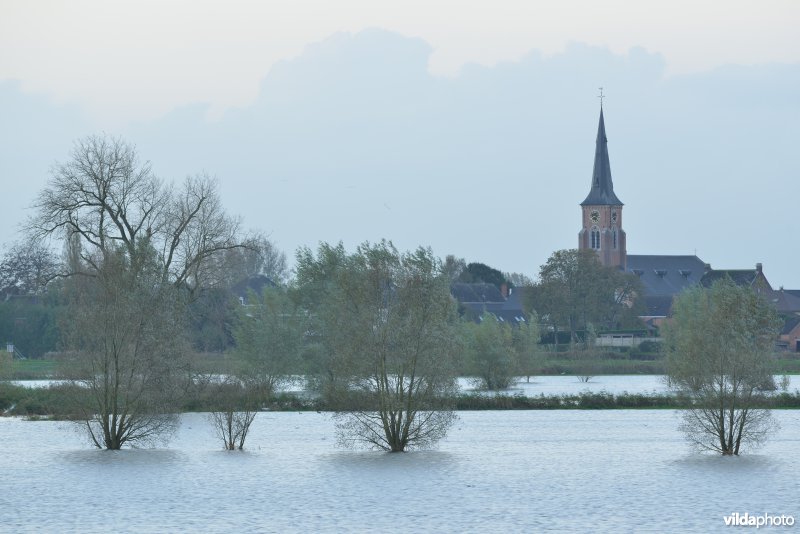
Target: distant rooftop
point(666, 276)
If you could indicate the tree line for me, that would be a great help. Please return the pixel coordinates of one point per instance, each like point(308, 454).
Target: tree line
point(375, 332)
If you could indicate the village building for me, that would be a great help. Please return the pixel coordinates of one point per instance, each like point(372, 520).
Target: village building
point(663, 276)
point(477, 299)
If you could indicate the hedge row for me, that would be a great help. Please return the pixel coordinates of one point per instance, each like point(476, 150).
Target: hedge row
point(55, 401)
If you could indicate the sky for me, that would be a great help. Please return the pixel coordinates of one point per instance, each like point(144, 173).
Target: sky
point(465, 126)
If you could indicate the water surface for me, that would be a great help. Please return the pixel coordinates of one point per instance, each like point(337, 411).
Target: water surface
point(601, 471)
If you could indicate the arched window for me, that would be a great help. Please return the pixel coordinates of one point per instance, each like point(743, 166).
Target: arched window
point(595, 233)
point(614, 233)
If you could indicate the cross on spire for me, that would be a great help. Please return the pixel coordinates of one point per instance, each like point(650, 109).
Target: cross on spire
point(601, 97)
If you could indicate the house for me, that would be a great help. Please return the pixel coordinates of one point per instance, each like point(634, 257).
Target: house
point(753, 278)
point(786, 301)
point(475, 299)
point(789, 337)
point(255, 283)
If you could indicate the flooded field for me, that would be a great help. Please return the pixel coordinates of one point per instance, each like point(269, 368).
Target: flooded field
point(600, 471)
point(540, 385)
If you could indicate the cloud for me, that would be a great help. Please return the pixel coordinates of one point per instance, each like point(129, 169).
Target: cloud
point(355, 139)
point(34, 132)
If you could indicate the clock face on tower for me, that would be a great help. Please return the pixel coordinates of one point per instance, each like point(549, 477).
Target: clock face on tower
point(594, 216)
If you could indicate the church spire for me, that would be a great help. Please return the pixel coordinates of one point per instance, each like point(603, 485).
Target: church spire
point(602, 191)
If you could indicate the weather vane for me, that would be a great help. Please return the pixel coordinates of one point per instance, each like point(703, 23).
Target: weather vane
point(601, 97)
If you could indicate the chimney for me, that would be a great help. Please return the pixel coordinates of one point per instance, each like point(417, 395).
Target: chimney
point(504, 290)
point(758, 268)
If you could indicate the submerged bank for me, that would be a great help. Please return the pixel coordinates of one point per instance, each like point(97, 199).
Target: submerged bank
point(54, 401)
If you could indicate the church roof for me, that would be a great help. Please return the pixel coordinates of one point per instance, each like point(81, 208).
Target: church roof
point(602, 191)
point(658, 306)
point(664, 276)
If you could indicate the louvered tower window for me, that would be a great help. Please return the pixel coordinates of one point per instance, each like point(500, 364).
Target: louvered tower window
point(595, 238)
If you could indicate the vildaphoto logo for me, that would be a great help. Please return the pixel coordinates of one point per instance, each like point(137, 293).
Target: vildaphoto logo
point(764, 520)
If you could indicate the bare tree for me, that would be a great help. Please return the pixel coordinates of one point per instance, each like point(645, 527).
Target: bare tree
point(27, 267)
point(453, 267)
point(261, 256)
point(141, 247)
point(519, 280)
point(257, 255)
point(388, 322)
point(238, 410)
point(719, 354)
point(104, 198)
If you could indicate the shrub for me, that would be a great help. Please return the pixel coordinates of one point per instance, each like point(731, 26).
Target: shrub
point(650, 346)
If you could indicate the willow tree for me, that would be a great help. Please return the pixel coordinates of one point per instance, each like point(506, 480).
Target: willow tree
point(270, 336)
point(136, 247)
point(719, 354)
point(387, 322)
point(236, 407)
point(490, 355)
point(126, 341)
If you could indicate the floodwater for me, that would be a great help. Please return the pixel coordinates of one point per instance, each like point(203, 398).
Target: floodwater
point(571, 385)
point(509, 471)
point(540, 385)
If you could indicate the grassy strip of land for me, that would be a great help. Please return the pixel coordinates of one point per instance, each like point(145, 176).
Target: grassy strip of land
point(576, 364)
point(603, 401)
point(54, 401)
point(32, 369)
point(617, 366)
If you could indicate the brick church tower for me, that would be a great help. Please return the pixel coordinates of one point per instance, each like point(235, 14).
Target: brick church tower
point(601, 228)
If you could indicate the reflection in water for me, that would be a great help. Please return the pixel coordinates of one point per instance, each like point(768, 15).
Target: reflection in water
point(132, 458)
point(600, 471)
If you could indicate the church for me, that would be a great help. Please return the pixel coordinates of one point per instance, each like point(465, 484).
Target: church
point(663, 276)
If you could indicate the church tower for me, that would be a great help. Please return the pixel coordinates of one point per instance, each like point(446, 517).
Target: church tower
point(601, 228)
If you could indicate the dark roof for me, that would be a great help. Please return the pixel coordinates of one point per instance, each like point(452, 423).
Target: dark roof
point(602, 191)
point(784, 301)
point(666, 276)
point(658, 306)
point(499, 310)
point(255, 283)
point(480, 298)
point(740, 277)
point(514, 300)
point(790, 323)
point(793, 292)
point(464, 292)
